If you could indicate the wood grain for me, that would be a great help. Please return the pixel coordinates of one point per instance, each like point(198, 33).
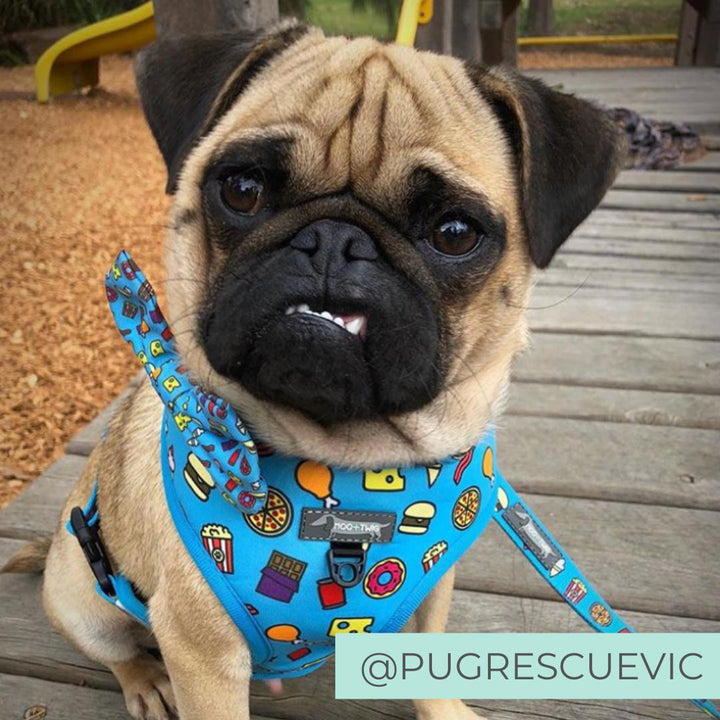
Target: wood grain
point(645, 407)
point(612, 461)
point(664, 364)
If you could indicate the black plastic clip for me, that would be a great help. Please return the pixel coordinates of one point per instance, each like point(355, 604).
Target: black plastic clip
point(93, 549)
point(347, 563)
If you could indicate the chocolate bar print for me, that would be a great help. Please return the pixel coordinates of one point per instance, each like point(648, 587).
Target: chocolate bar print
point(280, 578)
point(535, 539)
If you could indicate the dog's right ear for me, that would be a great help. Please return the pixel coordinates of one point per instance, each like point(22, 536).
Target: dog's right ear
point(187, 84)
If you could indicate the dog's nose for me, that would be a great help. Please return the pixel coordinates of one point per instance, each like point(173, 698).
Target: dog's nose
point(331, 244)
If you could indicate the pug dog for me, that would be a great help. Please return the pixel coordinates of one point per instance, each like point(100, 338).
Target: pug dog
point(353, 237)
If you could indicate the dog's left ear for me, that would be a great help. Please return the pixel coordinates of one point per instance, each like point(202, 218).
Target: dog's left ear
point(187, 84)
point(567, 152)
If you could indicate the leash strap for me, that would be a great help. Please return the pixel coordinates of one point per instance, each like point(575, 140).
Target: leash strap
point(554, 565)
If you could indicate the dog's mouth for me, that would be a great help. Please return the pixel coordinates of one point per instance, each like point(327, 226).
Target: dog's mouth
point(326, 326)
point(355, 324)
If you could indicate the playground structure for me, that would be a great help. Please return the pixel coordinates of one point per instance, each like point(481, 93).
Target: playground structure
point(73, 61)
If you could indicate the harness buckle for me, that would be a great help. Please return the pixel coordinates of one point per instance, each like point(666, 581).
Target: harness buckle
point(347, 563)
point(93, 549)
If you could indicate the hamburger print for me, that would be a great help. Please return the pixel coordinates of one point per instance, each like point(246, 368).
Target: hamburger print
point(198, 477)
point(416, 518)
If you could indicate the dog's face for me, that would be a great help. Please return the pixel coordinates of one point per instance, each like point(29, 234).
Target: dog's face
point(354, 231)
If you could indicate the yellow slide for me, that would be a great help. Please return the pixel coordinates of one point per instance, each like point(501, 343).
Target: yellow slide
point(72, 62)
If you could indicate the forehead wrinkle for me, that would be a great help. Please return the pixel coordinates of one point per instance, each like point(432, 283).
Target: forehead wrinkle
point(279, 91)
point(366, 126)
point(412, 70)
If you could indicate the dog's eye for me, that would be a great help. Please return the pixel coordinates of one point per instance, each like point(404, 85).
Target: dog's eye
point(454, 235)
point(243, 193)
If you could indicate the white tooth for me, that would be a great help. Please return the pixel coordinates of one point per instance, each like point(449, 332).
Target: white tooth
point(339, 321)
point(326, 315)
point(355, 325)
point(303, 308)
point(290, 310)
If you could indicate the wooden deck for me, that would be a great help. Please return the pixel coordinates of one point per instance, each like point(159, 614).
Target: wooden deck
point(612, 433)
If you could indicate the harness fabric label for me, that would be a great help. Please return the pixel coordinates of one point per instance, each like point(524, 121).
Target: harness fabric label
point(351, 526)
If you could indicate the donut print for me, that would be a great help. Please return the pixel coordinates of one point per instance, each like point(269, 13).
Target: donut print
point(384, 578)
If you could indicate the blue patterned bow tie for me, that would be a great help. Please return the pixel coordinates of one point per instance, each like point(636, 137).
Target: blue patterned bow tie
point(194, 417)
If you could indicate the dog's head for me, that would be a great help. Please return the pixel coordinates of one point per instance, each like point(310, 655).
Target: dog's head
point(354, 230)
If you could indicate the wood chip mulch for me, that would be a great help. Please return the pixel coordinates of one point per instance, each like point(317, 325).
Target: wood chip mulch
point(82, 179)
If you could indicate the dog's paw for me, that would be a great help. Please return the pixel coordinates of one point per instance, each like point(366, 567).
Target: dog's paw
point(146, 687)
point(445, 710)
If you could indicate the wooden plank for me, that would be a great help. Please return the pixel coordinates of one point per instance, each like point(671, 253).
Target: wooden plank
point(19, 693)
point(619, 406)
point(641, 557)
point(661, 202)
point(29, 646)
point(623, 216)
point(687, 35)
point(588, 261)
point(625, 83)
point(62, 702)
point(67, 702)
point(659, 465)
point(708, 162)
point(656, 364)
point(604, 278)
point(635, 247)
point(656, 233)
point(89, 436)
point(619, 311)
point(586, 709)
point(37, 510)
point(7, 548)
point(680, 180)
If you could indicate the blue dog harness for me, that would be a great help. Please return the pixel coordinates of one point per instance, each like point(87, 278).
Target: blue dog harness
point(297, 551)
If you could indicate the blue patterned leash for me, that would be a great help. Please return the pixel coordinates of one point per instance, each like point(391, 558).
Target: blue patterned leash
point(554, 565)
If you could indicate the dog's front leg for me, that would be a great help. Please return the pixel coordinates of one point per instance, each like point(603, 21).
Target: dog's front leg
point(431, 617)
point(207, 659)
